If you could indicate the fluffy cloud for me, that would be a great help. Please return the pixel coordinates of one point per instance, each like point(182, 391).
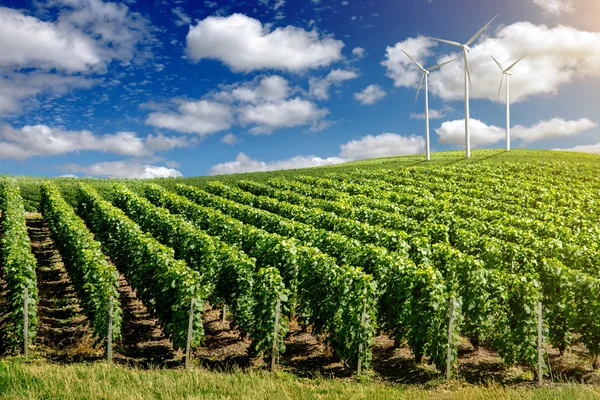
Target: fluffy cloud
point(262, 104)
point(556, 127)
point(370, 95)
point(283, 114)
point(586, 148)
point(433, 113)
point(560, 55)
point(41, 140)
point(383, 145)
point(55, 55)
point(319, 88)
point(358, 52)
point(122, 170)
point(555, 7)
point(243, 163)
point(245, 44)
point(202, 117)
point(399, 67)
point(18, 90)
point(230, 138)
point(482, 134)
point(28, 42)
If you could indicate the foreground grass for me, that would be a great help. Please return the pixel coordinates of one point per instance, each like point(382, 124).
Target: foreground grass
point(42, 380)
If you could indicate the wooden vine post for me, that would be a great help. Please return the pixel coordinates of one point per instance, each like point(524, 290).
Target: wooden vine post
point(360, 346)
point(450, 329)
point(26, 323)
point(540, 349)
point(275, 335)
point(223, 320)
point(188, 347)
point(109, 338)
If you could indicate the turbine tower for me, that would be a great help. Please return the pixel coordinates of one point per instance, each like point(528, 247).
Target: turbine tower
point(465, 48)
point(424, 76)
point(508, 74)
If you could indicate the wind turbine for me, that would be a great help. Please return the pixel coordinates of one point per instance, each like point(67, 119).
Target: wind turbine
point(508, 74)
point(424, 76)
point(465, 47)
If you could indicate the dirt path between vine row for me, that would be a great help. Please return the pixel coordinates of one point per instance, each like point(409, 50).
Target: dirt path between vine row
point(63, 332)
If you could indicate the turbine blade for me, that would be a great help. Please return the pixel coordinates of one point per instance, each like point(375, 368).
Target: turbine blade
point(450, 42)
point(500, 88)
point(420, 84)
point(413, 60)
point(475, 36)
point(467, 68)
point(515, 63)
point(439, 65)
point(498, 64)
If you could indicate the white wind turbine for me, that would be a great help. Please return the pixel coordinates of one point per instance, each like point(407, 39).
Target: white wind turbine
point(425, 76)
point(465, 47)
point(508, 74)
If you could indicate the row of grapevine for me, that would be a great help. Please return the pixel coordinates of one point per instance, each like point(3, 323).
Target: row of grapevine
point(419, 322)
point(227, 272)
point(94, 278)
point(497, 252)
point(476, 287)
point(18, 269)
point(580, 252)
point(328, 296)
point(487, 195)
point(166, 286)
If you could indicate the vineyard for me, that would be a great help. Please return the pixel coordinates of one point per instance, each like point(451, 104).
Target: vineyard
point(496, 255)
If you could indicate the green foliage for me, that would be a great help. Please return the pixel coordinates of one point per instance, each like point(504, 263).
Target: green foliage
point(93, 277)
point(18, 269)
point(268, 289)
point(322, 290)
point(166, 286)
point(226, 271)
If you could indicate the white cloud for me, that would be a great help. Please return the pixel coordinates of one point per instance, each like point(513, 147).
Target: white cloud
point(283, 114)
point(560, 55)
point(28, 42)
point(433, 113)
point(383, 145)
point(344, 3)
point(399, 67)
point(555, 7)
point(370, 95)
point(120, 33)
point(243, 163)
point(230, 138)
point(556, 127)
point(245, 45)
point(263, 104)
point(210, 4)
point(122, 170)
point(41, 140)
point(18, 90)
point(202, 117)
point(586, 148)
point(182, 18)
point(358, 52)
point(319, 88)
point(453, 132)
point(482, 134)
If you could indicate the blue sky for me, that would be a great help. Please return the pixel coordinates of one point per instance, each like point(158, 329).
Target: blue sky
point(169, 88)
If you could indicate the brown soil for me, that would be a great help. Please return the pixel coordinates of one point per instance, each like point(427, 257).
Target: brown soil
point(63, 332)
